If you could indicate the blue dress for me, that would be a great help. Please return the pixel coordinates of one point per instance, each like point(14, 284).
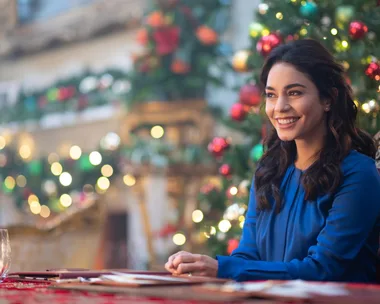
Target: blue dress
point(334, 238)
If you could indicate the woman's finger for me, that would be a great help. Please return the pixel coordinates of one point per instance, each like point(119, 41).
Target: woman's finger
point(186, 268)
point(169, 263)
point(184, 258)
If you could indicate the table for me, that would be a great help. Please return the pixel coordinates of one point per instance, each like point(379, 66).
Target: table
point(14, 292)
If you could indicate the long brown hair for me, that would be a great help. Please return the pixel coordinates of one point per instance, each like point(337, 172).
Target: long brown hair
point(324, 175)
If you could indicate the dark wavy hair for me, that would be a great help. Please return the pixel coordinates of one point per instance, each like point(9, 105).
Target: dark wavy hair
point(324, 175)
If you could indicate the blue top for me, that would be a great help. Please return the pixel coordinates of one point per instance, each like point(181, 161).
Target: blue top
point(334, 238)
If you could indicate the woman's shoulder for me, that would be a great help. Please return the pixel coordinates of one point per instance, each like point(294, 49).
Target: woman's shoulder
point(356, 164)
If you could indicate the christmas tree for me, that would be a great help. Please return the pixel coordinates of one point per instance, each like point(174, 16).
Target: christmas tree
point(350, 29)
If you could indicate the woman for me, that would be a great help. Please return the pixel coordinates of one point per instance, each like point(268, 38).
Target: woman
point(314, 209)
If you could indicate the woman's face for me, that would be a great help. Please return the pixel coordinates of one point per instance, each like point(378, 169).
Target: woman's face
point(293, 104)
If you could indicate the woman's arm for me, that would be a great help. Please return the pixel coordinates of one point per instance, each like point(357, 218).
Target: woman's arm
point(354, 213)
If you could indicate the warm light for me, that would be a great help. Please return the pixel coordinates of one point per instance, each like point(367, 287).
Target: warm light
point(233, 190)
point(157, 132)
point(303, 32)
point(345, 44)
point(365, 108)
point(241, 224)
point(9, 182)
point(2, 142)
point(45, 211)
point(75, 152)
point(95, 158)
point(279, 16)
point(56, 168)
point(33, 198)
point(346, 65)
point(25, 151)
point(52, 158)
point(35, 207)
point(21, 181)
point(129, 180)
point(265, 32)
point(241, 218)
point(372, 104)
point(65, 179)
point(106, 170)
point(378, 91)
point(334, 31)
point(66, 200)
point(356, 102)
point(224, 225)
point(263, 8)
point(103, 183)
point(197, 216)
point(179, 239)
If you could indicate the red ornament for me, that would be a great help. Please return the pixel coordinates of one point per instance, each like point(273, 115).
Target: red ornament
point(225, 170)
point(357, 29)
point(180, 67)
point(206, 189)
point(206, 35)
point(142, 36)
point(373, 71)
point(232, 245)
point(250, 95)
point(238, 112)
point(166, 39)
point(267, 43)
point(217, 146)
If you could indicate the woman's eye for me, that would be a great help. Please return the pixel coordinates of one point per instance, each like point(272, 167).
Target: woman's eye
point(295, 93)
point(269, 95)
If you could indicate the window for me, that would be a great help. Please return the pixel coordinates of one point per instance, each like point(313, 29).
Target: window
point(30, 11)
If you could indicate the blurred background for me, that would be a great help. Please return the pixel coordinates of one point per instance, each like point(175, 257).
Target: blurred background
point(130, 129)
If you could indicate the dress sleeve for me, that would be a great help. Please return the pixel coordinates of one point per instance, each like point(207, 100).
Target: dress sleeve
point(354, 213)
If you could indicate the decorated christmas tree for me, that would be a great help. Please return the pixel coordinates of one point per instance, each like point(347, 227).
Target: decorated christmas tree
point(181, 40)
point(350, 29)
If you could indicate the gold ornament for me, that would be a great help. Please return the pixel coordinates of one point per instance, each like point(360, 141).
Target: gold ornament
point(239, 61)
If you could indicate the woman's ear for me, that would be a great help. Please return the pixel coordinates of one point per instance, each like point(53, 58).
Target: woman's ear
point(328, 101)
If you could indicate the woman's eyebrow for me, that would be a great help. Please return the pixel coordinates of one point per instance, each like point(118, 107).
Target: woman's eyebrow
point(289, 86)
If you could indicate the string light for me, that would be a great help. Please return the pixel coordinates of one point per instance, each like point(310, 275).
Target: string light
point(21, 181)
point(65, 179)
point(106, 171)
point(9, 183)
point(157, 132)
point(129, 180)
point(179, 239)
point(365, 108)
point(103, 183)
point(33, 198)
point(95, 158)
point(345, 44)
point(65, 200)
point(75, 152)
point(279, 16)
point(224, 225)
point(25, 152)
point(334, 31)
point(56, 168)
point(45, 211)
point(233, 190)
point(197, 216)
point(35, 207)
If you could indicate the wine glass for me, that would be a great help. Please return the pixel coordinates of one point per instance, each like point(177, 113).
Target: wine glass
point(5, 254)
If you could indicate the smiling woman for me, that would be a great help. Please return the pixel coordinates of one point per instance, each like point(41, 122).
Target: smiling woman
point(314, 211)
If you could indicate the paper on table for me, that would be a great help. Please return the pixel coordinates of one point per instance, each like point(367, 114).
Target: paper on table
point(296, 288)
point(139, 277)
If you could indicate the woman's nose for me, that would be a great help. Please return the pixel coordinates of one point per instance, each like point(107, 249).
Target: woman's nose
point(282, 104)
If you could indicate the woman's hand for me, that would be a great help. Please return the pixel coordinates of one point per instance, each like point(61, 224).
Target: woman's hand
point(193, 264)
